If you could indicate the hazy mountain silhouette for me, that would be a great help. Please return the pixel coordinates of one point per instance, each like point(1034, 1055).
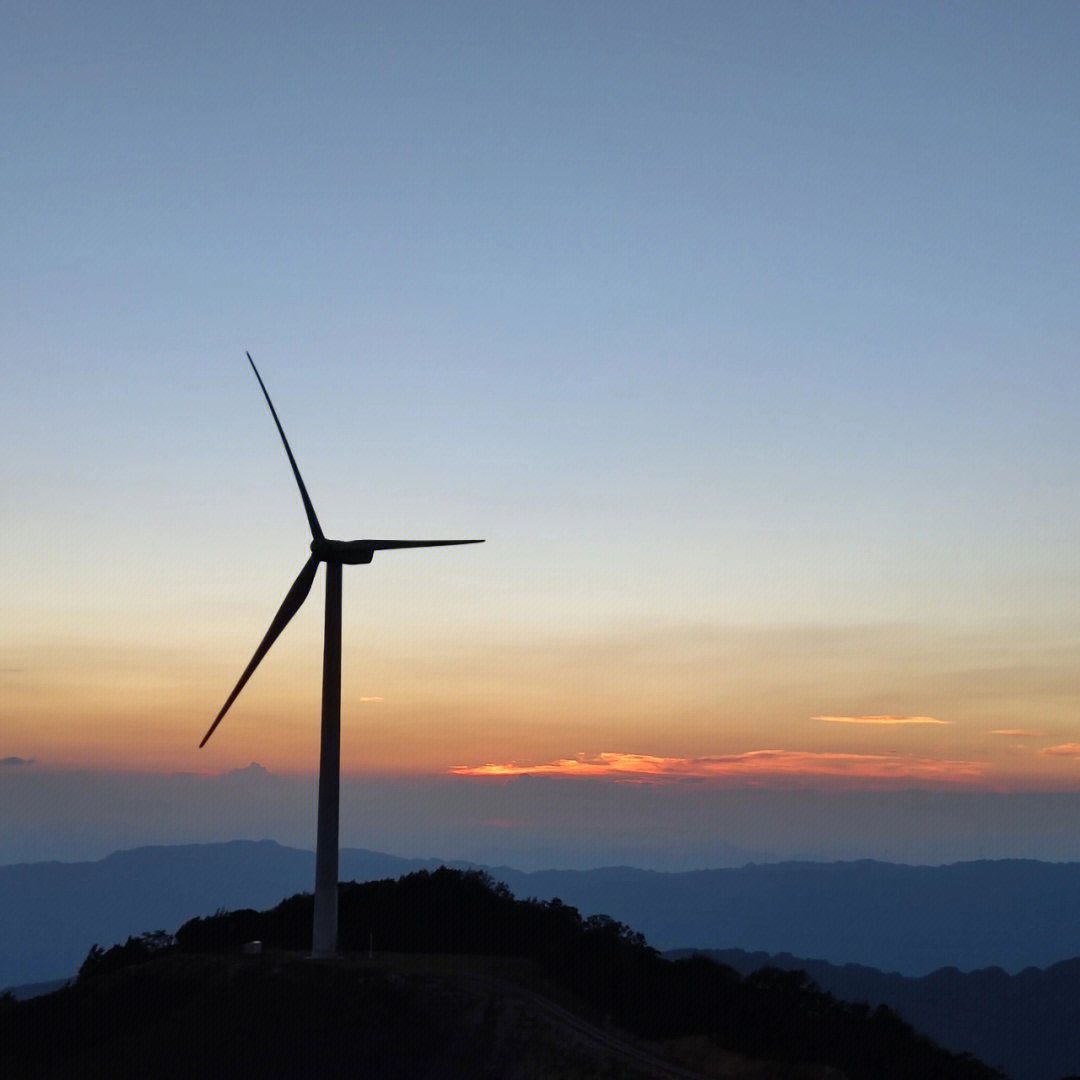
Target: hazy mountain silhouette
point(915, 919)
point(1027, 1025)
point(535, 990)
point(54, 911)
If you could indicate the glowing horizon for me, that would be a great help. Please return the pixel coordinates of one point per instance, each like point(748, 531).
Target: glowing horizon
point(776, 472)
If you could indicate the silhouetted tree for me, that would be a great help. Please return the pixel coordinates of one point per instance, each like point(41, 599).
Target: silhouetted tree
point(133, 951)
point(600, 967)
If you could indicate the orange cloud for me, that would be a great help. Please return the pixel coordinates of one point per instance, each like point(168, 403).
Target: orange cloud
point(880, 720)
point(600, 765)
point(753, 765)
point(1069, 749)
point(1018, 733)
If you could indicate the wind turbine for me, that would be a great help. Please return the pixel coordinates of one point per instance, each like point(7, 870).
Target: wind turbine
point(335, 553)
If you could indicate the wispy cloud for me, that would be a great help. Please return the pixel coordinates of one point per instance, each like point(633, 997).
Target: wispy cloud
point(1069, 749)
point(1018, 733)
point(879, 720)
point(371, 699)
point(16, 761)
point(754, 765)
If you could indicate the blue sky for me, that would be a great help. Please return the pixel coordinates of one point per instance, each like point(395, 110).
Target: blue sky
point(744, 333)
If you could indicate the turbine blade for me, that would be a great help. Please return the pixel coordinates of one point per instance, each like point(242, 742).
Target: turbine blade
point(389, 545)
point(313, 521)
point(289, 607)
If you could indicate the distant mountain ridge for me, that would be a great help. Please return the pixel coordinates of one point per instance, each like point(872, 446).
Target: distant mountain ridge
point(1012, 914)
point(1009, 913)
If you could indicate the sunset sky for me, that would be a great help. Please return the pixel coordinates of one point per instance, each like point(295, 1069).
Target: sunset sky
point(744, 333)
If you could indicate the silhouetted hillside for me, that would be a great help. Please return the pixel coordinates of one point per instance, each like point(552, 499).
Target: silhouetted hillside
point(1027, 1025)
point(53, 912)
point(195, 1007)
point(182, 1016)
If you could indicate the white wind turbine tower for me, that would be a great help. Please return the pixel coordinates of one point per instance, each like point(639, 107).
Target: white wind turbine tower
point(335, 553)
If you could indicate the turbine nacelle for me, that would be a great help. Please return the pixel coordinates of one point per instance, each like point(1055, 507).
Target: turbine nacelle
point(353, 552)
point(350, 552)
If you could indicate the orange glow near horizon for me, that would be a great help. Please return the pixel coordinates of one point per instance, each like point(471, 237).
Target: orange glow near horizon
point(693, 702)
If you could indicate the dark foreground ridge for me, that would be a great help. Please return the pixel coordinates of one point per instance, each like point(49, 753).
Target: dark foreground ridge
point(1027, 1024)
point(489, 986)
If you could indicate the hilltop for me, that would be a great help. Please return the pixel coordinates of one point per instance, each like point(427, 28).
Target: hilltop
point(913, 919)
point(491, 986)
